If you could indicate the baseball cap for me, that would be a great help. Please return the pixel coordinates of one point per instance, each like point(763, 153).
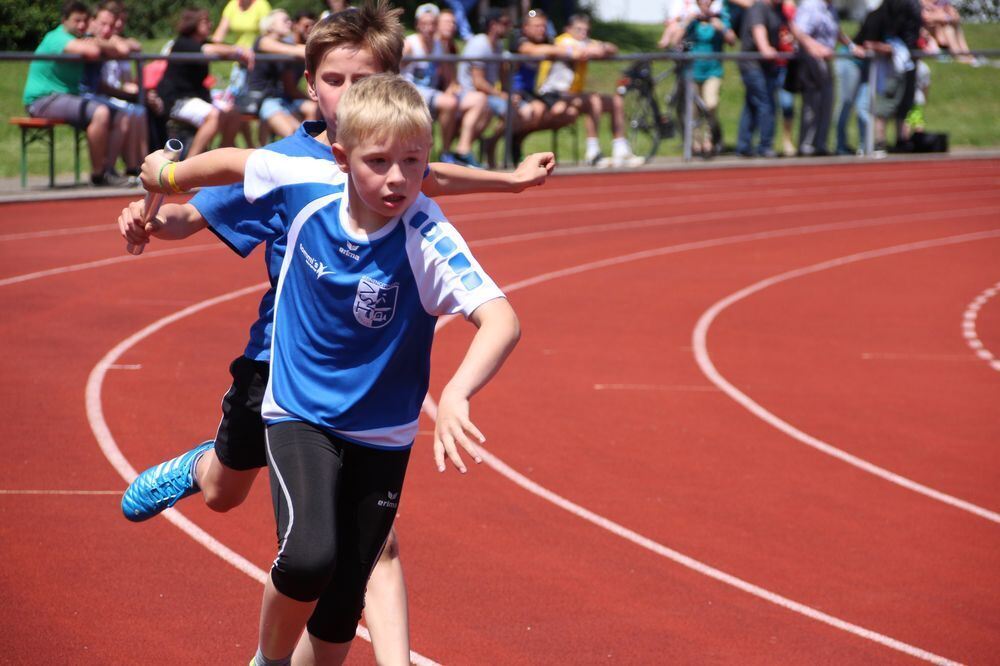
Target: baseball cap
point(427, 8)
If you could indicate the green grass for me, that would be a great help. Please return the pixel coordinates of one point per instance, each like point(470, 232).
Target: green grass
point(963, 101)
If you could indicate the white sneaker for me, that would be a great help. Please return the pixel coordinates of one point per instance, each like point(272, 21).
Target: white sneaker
point(627, 160)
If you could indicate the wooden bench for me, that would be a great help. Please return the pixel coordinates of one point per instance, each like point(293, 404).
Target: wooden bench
point(34, 130)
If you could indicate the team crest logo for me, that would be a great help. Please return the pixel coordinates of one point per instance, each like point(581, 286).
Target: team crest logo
point(375, 303)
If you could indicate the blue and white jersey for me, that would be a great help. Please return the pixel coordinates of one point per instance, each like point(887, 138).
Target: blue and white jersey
point(243, 226)
point(354, 316)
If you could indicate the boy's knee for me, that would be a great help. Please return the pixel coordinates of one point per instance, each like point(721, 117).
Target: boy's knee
point(303, 575)
point(102, 115)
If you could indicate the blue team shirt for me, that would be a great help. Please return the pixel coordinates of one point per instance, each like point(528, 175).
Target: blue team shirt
point(243, 226)
point(354, 316)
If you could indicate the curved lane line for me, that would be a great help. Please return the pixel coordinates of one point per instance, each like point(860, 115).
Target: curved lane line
point(699, 342)
point(99, 426)
point(107, 262)
point(524, 482)
point(106, 441)
point(969, 326)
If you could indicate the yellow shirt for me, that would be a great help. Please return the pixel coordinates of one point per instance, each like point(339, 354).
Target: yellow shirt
point(566, 40)
point(244, 25)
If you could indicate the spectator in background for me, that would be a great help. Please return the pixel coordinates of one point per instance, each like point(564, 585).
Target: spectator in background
point(895, 35)
point(761, 26)
point(52, 89)
point(786, 88)
point(241, 19)
point(447, 104)
point(817, 31)
point(945, 25)
point(103, 82)
point(548, 110)
point(707, 32)
point(569, 80)
point(273, 91)
point(852, 87)
point(182, 88)
point(483, 76)
point(334, 6)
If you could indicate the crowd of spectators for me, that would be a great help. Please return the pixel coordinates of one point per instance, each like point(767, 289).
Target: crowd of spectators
point(469, 101)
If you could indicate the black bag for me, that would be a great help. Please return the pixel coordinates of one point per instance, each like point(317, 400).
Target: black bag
point(929, 142)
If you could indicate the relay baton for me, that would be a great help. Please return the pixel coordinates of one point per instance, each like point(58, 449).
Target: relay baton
point(172, 151)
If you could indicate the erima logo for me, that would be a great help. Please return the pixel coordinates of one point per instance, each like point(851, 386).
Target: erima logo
point(317, 267)
point(350, 251)
point(391, 503)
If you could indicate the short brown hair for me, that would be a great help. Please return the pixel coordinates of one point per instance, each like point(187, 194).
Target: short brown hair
point(374, 27)
point(381, 107)
point(188, 22)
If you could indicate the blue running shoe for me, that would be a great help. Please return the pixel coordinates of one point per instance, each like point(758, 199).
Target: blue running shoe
point(160, 487)
point(449, 158)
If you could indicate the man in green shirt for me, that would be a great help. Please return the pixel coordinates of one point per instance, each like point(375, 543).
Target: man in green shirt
point(53, 86)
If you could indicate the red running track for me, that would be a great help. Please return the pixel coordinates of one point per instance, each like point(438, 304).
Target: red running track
point(724, 539)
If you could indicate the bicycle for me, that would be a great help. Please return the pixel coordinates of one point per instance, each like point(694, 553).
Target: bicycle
point(647, 122)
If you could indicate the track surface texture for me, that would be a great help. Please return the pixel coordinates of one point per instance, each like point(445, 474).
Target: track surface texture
point(752, 420)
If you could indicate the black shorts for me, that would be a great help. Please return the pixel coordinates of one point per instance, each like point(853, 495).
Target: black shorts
point(240, 442)
point(549, 99)
point(334, 503)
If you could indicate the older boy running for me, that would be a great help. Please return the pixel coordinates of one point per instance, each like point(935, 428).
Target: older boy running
point(341, 50)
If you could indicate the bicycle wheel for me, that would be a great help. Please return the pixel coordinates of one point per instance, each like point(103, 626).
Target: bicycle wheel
point(642, 129)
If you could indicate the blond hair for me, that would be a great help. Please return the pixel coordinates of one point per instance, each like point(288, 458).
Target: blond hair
point(380, 107)
point(374, 27)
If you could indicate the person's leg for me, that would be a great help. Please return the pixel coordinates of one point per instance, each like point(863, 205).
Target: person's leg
point(767, 115)
point(385, 607)
point(282, 123)
point(371, 487)
point(862, 109)
point(754, 93)
point(306, 469)
point(223, 469)
point(312, 651)
point(711, 89)
point(473, 110)
point(230, 124)
point(98, 131)
point(205, 133)
point(825, 116)
point(446, 111)
point(848, 81)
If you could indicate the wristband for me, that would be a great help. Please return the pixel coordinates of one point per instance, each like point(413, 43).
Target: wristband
point(171, 169)
point(159, 176)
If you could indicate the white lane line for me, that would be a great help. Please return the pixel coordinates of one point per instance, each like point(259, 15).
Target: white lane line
point(60, 492)
point(699, 342)
point(62, 270)
point(430, 408)
point(95, 413)
point(66, 231)
point(126, 366)
point(740, 198)
point(891, 356)
point(969, 326)
point(106, 441)
point(698, 566)
point(651, 387)
point(516, 238)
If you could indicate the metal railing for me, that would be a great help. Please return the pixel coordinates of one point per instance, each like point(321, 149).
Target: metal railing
point(507, 74)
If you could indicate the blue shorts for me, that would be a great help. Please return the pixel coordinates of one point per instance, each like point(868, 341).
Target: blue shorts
point(498, 105)
point(273, 105)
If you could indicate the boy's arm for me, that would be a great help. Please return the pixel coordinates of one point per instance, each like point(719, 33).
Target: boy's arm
point(447, 179)
point(172, 222)
point(216, 167)
point(499, 331)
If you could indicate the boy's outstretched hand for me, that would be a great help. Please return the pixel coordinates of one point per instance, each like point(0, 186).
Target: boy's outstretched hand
point(454, 429)
point(533, 170)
